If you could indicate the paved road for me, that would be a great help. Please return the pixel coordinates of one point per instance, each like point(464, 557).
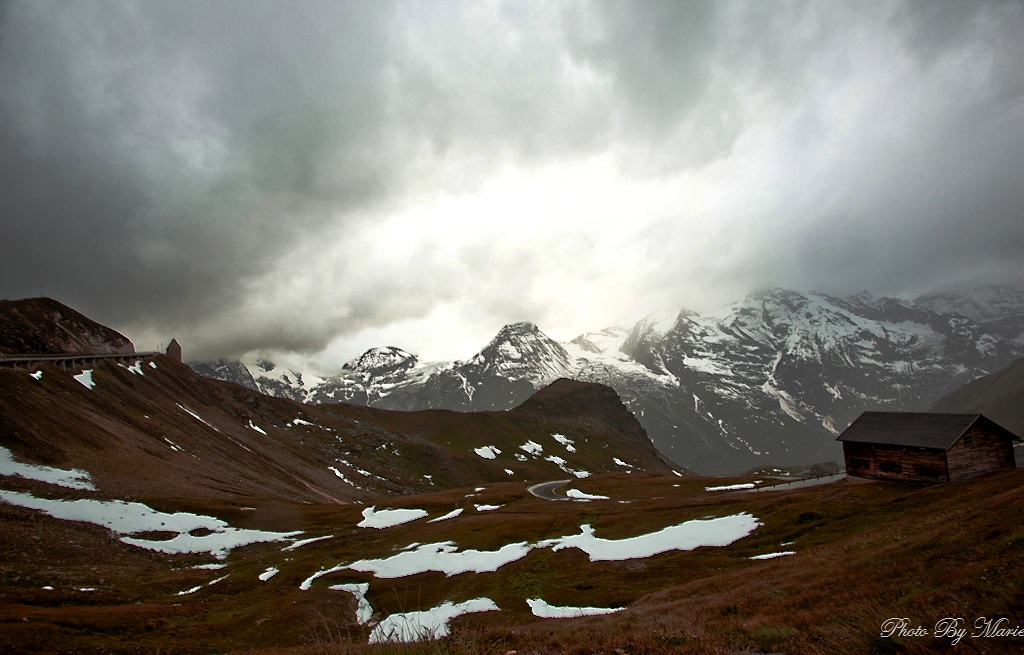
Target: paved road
point(546, 490)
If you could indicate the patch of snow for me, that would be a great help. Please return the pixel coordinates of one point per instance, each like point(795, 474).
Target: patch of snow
point(38, 375)
point(269, 573)
point(532, 448)
point(364, 613)
point(685, 536)
point(70, 478)
point(510, 471)
point(565, 441)
point(127, 518)
point(343, 478)
point(731, 487)
point(543, 610)
point(450, 515)
point(152, 364)
point(195, 416)
point(426, 625)
point(209, 567)
point(302, 542)
point(487, 452)
point(299, 421)
point(622, 463)
point(579, 495)
point(189, 591)
point(443, 557)
point(85, 379)
point(387, 518)
point(256, 428)
point(774, 555)
point(487, 508)
point(136, 368)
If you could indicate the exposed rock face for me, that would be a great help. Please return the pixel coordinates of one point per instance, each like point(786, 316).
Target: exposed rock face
point(42, 326)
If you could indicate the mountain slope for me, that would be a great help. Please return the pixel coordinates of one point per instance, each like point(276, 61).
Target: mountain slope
point(999, 396)
point(156, 429)
point(766, 381)
point(42, 326)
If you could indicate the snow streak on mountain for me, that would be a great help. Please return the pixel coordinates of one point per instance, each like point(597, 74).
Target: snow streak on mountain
point(769, 380)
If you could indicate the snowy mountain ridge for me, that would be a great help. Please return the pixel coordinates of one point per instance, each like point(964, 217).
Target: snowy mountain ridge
point(769, 379)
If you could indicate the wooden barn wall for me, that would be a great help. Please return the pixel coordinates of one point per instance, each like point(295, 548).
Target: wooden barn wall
point(899, 463)
point(986, 452)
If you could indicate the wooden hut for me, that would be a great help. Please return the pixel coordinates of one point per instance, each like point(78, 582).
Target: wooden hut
point(921, 447)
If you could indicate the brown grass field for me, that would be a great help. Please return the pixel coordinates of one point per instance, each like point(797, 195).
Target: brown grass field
point(865, 552)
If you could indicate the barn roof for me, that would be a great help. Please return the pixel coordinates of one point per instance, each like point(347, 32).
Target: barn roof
point(922, 430)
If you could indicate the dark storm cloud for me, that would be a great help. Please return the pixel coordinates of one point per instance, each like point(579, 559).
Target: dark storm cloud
point(274, 175)
point(157, 155)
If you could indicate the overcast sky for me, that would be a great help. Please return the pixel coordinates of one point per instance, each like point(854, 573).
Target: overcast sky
point(318, 178)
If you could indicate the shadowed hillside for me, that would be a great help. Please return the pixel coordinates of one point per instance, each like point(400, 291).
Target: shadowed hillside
point(999, 396)
point(42, 326)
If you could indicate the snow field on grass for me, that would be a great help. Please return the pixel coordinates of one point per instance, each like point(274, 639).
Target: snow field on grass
point(302, 542)
point(196, 416)
point(774, 555)
point(487, 452)
point(85, 379)
point(428, 624)
point(387, 518)
point(532, 448)
point(364, 613)
point(543, 610)
point(131, 518)
point(450, 515)
point(445, 557)
point(576, 494)
point(70, 478)
point(731, 487)
point(565, 441)
point(685, 536)
point(269, 573)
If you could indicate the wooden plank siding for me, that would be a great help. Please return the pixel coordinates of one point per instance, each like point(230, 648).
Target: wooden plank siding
point(897, 463)
point(979, 451)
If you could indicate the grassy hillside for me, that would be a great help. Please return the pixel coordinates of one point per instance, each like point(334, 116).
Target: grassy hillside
point(158, 430)
point(863, 553)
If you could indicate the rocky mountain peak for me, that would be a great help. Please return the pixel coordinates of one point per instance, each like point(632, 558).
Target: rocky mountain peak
point(522, 351)
point(382, 361)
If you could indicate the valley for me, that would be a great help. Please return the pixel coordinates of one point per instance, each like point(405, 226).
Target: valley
point(148, 509)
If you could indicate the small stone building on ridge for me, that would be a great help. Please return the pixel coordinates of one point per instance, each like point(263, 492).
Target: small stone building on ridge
point(174, 350)
point(923, 447)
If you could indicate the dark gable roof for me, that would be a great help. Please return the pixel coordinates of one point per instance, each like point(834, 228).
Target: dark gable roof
point(921, 430)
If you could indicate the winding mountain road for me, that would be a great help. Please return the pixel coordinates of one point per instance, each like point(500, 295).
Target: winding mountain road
point(546, 490)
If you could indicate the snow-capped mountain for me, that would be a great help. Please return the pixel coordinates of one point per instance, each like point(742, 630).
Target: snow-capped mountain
point(1000, 308)
point(767, 380)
